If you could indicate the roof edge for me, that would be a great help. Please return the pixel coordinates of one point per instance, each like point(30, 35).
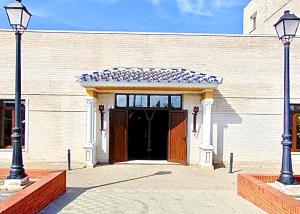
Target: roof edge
point(145, 33)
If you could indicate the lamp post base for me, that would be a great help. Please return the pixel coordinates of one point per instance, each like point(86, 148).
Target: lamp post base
point(287, 179)
point(17, 173)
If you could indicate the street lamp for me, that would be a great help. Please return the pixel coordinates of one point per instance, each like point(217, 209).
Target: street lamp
point(286, 28)
point(18, 17)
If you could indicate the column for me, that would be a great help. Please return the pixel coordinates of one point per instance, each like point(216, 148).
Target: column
point(206, 148)
point(89, 146)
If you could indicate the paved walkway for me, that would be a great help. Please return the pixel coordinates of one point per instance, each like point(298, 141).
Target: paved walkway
point(150, 189)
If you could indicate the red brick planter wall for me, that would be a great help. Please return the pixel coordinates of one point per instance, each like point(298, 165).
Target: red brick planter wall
point(254, 189)
point(32, 199)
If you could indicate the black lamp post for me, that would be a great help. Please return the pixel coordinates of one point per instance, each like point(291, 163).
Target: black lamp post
point(19, 18)
point(286, 28)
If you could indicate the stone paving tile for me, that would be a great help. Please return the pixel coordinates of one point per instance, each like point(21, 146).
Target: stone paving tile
point(150, 189)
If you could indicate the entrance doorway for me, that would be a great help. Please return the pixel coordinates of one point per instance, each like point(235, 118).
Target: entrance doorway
point(148, 134)
point(129, 138)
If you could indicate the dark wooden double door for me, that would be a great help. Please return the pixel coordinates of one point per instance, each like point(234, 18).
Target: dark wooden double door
point(177, 136)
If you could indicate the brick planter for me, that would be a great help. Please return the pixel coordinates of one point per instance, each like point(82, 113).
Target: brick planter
point(254, 189)
point(32, 199)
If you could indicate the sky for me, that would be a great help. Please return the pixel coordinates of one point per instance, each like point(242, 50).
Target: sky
point(187, 16)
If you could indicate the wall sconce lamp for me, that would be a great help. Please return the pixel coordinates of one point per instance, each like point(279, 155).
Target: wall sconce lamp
point(101, 110)
point(195, 112)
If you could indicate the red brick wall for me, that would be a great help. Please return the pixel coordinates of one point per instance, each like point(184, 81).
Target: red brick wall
point(254, 189)
point(35, 197)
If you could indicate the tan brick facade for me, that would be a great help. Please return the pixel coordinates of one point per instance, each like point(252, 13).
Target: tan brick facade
point(247, 111)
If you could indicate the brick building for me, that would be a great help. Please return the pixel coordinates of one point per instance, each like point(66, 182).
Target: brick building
point(141, 78)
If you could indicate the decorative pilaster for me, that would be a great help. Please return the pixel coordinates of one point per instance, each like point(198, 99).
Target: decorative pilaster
point(206, 148)
point(89, 146)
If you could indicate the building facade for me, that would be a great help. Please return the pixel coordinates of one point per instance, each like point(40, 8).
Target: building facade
point(67, 77)
point(261, 15)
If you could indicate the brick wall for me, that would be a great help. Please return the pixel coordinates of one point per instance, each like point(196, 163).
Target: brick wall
point(247, 113)
point(36, 196)
point(254, 189)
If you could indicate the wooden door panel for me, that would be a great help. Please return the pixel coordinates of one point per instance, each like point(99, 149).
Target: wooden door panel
point(177, 151)
point(118, 136)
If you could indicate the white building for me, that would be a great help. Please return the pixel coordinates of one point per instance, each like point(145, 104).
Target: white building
point(149, 78)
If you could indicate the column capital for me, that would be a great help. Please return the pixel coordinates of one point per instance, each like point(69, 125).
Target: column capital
point(208, 94)
point(91, 93)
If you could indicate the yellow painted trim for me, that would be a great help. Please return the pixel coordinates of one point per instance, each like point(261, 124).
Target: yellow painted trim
point(91, 93)
point(135, 88)
point(207, 95)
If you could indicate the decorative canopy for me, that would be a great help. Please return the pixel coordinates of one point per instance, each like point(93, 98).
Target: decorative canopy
point(151, 77)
